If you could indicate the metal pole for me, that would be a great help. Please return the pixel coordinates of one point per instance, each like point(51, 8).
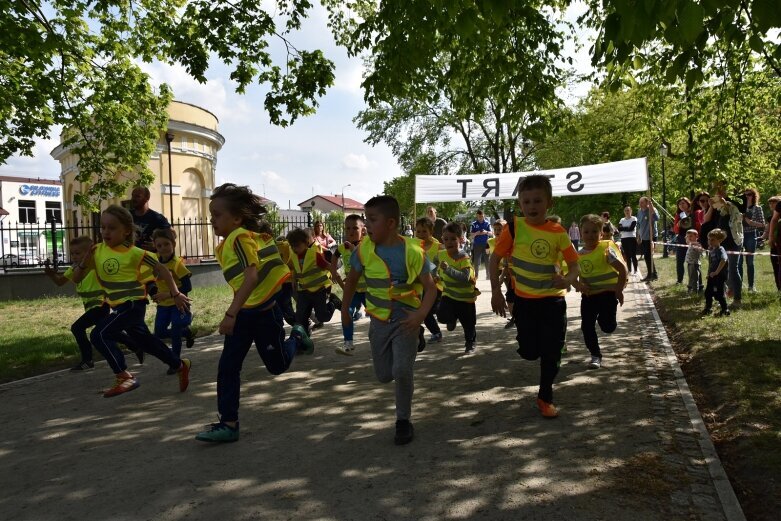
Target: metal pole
point(169, 137)
point(664, 213)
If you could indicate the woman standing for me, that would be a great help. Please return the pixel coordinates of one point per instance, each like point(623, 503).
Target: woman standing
point(700, 206)
point(682, 213)
point(627, 227)
point(574, 234)
point(753, 227)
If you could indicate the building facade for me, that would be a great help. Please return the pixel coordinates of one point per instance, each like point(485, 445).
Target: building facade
point(331, 203)
point(27, 207)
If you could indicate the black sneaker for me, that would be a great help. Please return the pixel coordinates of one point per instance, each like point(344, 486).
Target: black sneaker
point(172, 370)
point(316, 325)
point(469, 346)
point(705, 312)
point(510, 323)
point(421, 339)
point(83, 365)
point(140, 356)
point(723, 313)
point(336, 301)
point(189, 337)
point(404, 432)
point(451, 326)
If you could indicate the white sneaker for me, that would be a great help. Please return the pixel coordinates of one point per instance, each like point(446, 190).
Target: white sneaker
point(596, 362)
point(345, 349)
point(752, 289)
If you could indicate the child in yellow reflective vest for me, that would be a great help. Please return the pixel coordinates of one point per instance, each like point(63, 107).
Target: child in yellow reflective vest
point(92, 296)
point(254, 270)
point(540, 310)
point(167, 315)
point(424, 230)
point(459, 292)
point(397, 274)
point(601, 283)
point(123, 270)
point(312, 279)
point(354, 228)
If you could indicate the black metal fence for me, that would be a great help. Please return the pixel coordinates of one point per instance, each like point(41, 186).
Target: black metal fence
point(26, 245)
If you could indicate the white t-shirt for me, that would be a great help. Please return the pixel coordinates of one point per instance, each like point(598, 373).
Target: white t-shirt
point(626, 222)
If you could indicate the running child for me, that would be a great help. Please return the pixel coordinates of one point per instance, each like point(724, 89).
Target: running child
point(540, 310)
point(424, 230)
point(92, 296)
point(717, 272)
point(459, 293)
point(397, 274)
point(123, 270)
point(312, 278)
point(601, 284)
point(168, 314)
point(254, 270)
point(353, 233)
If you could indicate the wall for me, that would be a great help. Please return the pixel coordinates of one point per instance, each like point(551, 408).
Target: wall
point(21, 284)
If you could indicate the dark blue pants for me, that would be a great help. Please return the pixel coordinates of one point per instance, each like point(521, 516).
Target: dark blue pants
point(285, 300)
point(355, 305)
point(265, 329)
point(597, 309)
point(749, 245)
point(542, 330)
point(680, 261)
point(431, 320)
point(128, 318)
point(171, 316)
point(79, 329)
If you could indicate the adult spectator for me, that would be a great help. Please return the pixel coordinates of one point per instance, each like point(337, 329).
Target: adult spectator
point(322, 237)
point(574, 234)
point(480, 231)
point(730, 219)
point(646, 235)
point(145, 219)
point(708, 219)
point(439, 223)
point(682, 221)
point(627, 227)
point(608, 228)
point(772, 237)
point(700, 206)
point(753, 227)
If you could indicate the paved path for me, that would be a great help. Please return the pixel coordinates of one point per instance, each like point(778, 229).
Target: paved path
point(317, 441)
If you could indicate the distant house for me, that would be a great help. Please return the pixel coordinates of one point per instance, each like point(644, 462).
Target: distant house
point(331, 203)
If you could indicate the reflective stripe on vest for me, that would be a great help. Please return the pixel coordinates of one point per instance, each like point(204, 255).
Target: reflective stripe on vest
point(119, 273)
point(595, 270)
point(432, 253)
point(89, 290)
point(272, 272)
point(461, 290)
point(311, 277)
point(380, 292)
point(535, 260)
point(346, 256)
point(162, 286)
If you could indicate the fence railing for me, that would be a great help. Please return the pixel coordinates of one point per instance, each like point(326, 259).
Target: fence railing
point(31, 244)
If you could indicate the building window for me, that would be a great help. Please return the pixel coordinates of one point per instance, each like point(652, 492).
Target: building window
point(27, 212)
point(53, 212)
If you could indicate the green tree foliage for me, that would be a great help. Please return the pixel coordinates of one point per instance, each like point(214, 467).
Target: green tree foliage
point(74, 63)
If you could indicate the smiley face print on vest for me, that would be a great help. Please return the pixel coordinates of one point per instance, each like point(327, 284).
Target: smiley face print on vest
point(111, 266)
point(540, 248)
point(586, 267)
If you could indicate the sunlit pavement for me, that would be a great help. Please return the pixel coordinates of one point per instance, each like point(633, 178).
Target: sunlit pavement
point(317, 442)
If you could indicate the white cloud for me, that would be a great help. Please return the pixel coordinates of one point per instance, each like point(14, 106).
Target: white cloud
point(41, 164)
point(348, 77)
point(358, 162)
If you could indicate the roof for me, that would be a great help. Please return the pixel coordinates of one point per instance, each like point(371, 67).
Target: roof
point(4, 212)
point(38, 181)
point(336, 200)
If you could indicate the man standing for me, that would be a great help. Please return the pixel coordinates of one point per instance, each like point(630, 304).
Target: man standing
point(646, 234)
point(480, 231)
point(145, 219)
point(439, 223)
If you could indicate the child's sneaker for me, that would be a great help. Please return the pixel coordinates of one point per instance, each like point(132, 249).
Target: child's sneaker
point(219, 433)
point(124, 383)
point(510, 323)
point(189, 337)
point(357, 316)
point(435, 337)
point(83, 365)
point(596, 362)
point(336, 301)
point(404, 432)
point(184, 374)
point(469, 346)
point(421, 339)
point(346, 349)
point(723, 313)
point(316, 325)
point(547, 409)
point(307, 346)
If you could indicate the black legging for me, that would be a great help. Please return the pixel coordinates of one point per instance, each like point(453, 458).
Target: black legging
point(629, 249)
point(645, 250)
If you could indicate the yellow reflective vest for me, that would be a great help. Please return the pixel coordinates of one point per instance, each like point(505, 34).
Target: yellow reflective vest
point(272, 272)
point(432, 253)
point(309, 276)
point(123, 272)
point(535, 259)
point(178, 272)
point(595, 269)
point(461, 290)
point(380, 290)
point(345, 255)
point(89, 289)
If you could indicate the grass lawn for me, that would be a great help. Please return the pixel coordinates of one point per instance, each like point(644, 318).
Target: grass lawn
point(733, 365)
point(35, 334)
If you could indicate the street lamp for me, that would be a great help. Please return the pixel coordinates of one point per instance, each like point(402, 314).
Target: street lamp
point(169, 137)
point(345, 186)
point(664, 150)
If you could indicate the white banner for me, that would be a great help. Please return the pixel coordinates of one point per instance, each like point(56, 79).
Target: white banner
point(621, 176)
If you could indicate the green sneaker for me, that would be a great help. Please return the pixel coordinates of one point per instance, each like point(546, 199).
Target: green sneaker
point(219, 433)
point(307, 346)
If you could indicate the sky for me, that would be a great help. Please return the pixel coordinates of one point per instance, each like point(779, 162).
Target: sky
point(320, 154)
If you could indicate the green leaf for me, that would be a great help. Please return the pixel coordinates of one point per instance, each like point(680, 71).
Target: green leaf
point(690, 21)
point(766, 14)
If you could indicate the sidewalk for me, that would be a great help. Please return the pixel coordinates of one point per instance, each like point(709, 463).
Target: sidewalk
point(317, 442)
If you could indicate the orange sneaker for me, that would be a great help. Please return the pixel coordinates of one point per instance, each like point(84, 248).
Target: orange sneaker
point(184, 374)
point(122, 385)
point(548, 410)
